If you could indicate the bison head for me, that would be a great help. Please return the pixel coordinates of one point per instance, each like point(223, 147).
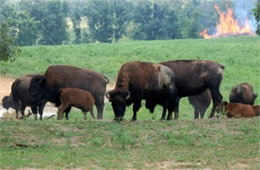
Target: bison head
point(118, 98)
point(37, 88)
point(7, 102)
point(222, 107)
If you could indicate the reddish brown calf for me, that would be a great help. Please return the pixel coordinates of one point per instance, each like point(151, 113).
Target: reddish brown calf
point(257, 110)
point(236, 109)
point(77, 98)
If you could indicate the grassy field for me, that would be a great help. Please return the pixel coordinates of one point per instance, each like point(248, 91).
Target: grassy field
point(147, 143)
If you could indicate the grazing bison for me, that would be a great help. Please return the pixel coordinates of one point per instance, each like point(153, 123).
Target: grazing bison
point(257, 110)
point(8, 102)
point(200, 103)
point(195, 76)
point(143, 80)
point(242, 93)
point(46, 87)
point(236, 110)
point(21, 98)
point(77, 98)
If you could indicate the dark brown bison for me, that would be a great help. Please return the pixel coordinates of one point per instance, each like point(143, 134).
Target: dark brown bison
point(8, 102)
point(143, 80)
point(236, 110)
point(78, 98)
point(200, 103)
point(46, 87)
point(21, 98)
point(257, 110)
point(195, 76)
point(242, 93)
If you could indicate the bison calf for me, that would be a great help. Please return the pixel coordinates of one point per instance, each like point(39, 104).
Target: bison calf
point(236, 109)
point(257, 110)
point(77, 98)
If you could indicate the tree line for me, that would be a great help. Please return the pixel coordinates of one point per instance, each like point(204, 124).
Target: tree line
point(32, 22)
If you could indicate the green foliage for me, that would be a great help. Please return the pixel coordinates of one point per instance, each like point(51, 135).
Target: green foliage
point(100, 20)
point(257, 16)
point(7, 48)
point(28, 30)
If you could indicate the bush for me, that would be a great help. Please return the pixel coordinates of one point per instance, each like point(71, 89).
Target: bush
point(7, 47)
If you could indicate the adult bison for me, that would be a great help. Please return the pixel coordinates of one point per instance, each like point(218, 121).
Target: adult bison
point(242, 93)
point(46, 87)
point(143, 80)
point(21, 98)
point(200, 103)
point(195, 76)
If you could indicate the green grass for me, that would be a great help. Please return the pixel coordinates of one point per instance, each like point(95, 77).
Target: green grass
point(147, 143)
point(216, 144)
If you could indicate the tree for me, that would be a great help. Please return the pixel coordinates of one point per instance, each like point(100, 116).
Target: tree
point(257, 16)
point(76, 19)
point(53, 24)
point(122, 17)
point(28, 30)
point(100, 20)
point(7, 47)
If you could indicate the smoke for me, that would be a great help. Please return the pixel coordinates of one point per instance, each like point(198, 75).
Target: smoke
point(243, 10)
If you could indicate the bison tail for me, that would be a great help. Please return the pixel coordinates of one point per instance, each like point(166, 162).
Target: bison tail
point(107, 80)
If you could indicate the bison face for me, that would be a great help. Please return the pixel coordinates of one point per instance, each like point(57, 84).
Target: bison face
point(37, 89)
point(118, 99)
point(222, 107)
point(150, 104)
point(7, 103)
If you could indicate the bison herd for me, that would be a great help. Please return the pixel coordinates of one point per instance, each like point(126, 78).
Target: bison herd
point(157, 83)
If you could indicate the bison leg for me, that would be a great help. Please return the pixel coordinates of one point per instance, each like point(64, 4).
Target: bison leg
point(67, 112)
point(100, 107)
point(136, 107)
point(176, 109)
point(34, 110)
point(41, 107)
point(22, 110)
point(196, 114)
point(84, 114)
point(217, 98)
point(163, 113)
point(61, 110)
point(92, 113)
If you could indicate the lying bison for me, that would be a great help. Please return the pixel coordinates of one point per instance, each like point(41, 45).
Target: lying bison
point(46, 87)
point(242, 93)
point(21, 98)
point(77, 98)
point(143, 80)
point(200, 103)
point(236, 110)
point(195, 76)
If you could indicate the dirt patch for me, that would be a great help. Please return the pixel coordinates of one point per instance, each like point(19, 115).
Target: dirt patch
point(5, 86)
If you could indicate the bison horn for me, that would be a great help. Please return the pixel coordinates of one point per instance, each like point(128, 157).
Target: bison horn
point(108, 96)
point(128, 96)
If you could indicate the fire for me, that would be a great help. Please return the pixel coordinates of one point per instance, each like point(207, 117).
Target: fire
point(228, 25)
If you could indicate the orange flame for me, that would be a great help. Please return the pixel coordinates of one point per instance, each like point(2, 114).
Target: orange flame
point(228, 25)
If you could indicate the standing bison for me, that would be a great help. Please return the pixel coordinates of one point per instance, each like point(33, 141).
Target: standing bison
point(200, 103)
point(21, 98)
point(242, 93)
point(46, 87)
point(195, 76)
point(143, 80)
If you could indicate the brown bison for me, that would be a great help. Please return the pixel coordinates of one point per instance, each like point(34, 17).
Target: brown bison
point(195, 76)
point(46, 87)
point(242, 93)
point(21, 98)
point(236, 110)
point(78, 98)
point(200, 103)
point(143, 80)
point(257, 110)
point(8, 102)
